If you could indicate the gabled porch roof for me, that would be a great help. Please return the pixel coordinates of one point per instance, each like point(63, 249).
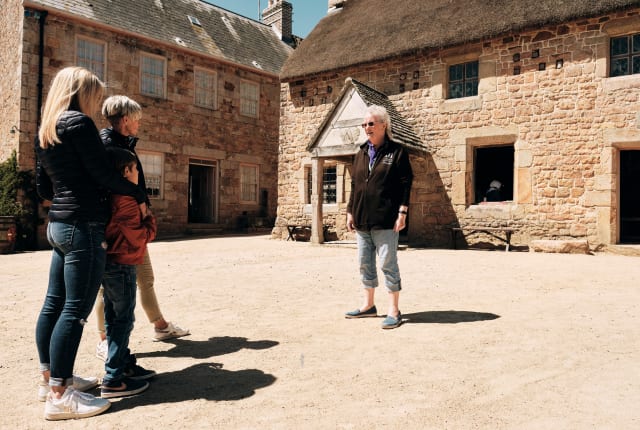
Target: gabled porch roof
point(340, 133)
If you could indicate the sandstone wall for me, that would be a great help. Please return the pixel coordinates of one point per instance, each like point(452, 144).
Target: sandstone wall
point(567, 125)
point(173, 126)
point(10, 66)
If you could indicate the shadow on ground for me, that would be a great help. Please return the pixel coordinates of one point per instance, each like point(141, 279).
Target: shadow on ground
point(214, 346)
point(447, 317)
point(206, 381)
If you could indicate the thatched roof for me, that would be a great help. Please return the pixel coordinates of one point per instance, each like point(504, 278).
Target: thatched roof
point(364, 31)
point(221, 34)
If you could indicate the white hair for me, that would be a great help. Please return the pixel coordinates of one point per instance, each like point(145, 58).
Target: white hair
point(381, 114)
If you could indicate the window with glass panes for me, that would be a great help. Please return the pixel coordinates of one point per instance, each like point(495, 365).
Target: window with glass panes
point(329, 188)
point(329, 185)
point(249, 183)
point(625, 55)
point(205, 88)
point(249, 98)
point(152, 168)
point(90, 54)
point(463, 80)
point(152, 76)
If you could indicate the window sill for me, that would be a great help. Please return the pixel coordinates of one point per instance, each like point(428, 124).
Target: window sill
point(620, 83)
point(326, 208)
point(496, 210)
point(460, 105)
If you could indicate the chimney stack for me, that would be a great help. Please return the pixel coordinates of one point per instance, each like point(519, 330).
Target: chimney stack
point(336, 5)
point(279, 14)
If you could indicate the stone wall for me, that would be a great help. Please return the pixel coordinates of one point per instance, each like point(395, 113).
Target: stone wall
point(10, 62)
point(174, 126)
point(567, 121)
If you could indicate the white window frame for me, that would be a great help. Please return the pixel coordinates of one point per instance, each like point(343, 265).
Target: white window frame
point(97, 67)
point(151, 162)
point(249, 100)
point(244, 186)
point(205, 84)
point(159, 88)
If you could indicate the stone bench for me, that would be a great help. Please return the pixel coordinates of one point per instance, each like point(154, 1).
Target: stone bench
point(292, 229)
point(491, 231)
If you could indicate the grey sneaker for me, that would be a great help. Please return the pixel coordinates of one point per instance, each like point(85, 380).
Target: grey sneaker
point(79, 383)
point(73, 405)
point(126, 387)
point(138, 373)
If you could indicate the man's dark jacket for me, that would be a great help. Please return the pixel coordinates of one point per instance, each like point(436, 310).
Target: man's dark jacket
point(110, 137)
point(75, 173)
point(376, 196)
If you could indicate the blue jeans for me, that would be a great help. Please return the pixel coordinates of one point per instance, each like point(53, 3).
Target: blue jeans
point(119, 284)
point(384, 243)
point(77, 265)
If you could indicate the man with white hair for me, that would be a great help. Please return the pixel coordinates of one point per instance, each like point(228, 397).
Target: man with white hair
point(380, 188)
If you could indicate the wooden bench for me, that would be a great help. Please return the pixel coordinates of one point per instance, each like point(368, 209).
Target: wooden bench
point(292, 229)
point(491, 231)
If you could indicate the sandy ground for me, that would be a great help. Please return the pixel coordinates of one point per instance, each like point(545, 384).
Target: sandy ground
point(491, 340)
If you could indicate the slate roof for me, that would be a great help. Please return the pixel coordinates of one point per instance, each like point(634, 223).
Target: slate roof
point(222, 34)
point(364, 31)
point(402, 131)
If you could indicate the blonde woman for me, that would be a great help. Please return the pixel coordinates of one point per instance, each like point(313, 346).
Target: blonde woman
point(73, 173)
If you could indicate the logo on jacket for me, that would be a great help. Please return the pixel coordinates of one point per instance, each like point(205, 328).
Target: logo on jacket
point(388, 159)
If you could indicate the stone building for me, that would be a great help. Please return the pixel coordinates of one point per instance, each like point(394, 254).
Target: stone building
point(207, 80)
point(542, 96)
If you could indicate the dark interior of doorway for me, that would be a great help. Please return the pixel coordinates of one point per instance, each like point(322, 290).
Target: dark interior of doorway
point(201, 193)
point(629, 197)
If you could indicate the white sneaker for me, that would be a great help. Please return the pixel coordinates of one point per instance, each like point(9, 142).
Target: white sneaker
point(79, 383)
point(102, 350)
point(172, 331)
point(73, 405)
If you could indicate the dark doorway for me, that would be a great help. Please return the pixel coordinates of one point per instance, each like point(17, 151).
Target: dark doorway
point(493, 163)
point(202, 191)
point(629, 200)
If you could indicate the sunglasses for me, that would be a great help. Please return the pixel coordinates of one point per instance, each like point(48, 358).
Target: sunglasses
point(368, 124)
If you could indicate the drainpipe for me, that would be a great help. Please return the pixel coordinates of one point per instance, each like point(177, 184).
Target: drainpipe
point(41, 19)
point(35, 221)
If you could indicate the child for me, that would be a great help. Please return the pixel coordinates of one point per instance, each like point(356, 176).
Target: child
point(127, 234)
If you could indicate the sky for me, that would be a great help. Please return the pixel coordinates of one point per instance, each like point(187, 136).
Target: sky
point(306, 13)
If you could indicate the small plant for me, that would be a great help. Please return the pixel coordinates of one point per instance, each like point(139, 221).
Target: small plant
point(18, 201)
point(11, 181)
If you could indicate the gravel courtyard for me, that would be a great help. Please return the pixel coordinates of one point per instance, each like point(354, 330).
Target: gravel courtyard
point(490, 340)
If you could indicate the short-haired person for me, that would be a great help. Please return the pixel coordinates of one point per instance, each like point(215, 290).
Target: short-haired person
point(124, 116)
point(377, 210)
point(127, 234)
point(494, 193)
point(73, 173)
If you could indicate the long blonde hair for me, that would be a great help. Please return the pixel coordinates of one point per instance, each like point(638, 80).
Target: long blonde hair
point(73, 88)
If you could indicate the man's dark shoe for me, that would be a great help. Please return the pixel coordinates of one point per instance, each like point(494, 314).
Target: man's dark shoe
point(138, 373)
point(126, 387)
point(371, 312)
